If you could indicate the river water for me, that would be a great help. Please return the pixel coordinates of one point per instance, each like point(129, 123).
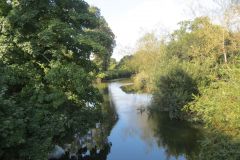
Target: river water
point(138, 135)
point(130, 132)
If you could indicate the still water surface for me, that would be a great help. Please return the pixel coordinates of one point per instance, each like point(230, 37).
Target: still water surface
point(130, 132)
point(138, 135)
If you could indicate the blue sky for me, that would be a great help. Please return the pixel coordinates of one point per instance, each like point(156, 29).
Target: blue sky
point(130, 19)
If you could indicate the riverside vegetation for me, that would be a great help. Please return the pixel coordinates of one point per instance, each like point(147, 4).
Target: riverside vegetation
point(191, 80)
point(46, 74)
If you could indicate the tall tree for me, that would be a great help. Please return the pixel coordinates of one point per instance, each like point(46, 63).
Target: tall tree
point(46, 72)
point(228, 10)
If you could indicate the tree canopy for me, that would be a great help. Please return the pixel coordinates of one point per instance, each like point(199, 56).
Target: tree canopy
point(47, 73)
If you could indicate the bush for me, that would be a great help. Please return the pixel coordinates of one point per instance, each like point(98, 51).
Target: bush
point(176, 89)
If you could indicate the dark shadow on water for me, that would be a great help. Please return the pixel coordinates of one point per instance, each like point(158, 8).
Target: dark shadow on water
point(93, 145)
point(177, 137)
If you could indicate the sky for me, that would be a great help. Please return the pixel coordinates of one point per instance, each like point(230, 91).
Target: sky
point(130, 19)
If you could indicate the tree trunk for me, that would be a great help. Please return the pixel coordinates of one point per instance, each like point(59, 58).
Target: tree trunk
point(223, 45)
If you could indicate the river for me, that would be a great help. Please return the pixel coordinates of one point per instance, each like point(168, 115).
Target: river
point(130, 132)
point(141, 136)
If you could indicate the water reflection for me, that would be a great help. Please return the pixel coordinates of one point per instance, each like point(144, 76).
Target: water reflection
point(178, 138)
point(128, 131)
point(141, 135)
point(94, 145)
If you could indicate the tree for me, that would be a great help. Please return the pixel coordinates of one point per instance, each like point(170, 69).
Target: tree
point(229, 9)
point(124, 63)
point(224, 12)
point(197, 40)
point(112, 64)
point(105, 37)
point(46, 73)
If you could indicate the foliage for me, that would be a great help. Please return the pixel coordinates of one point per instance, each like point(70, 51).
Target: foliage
point(196, 40)
point(131, 89)
point(150, 51)
point(105, 37)
point(125, 64)
point(176, 89)
point(116, 70)
point(190, 79)
point(46, 73)
point(219, 147)
point(116, 74)
point(218, 106)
